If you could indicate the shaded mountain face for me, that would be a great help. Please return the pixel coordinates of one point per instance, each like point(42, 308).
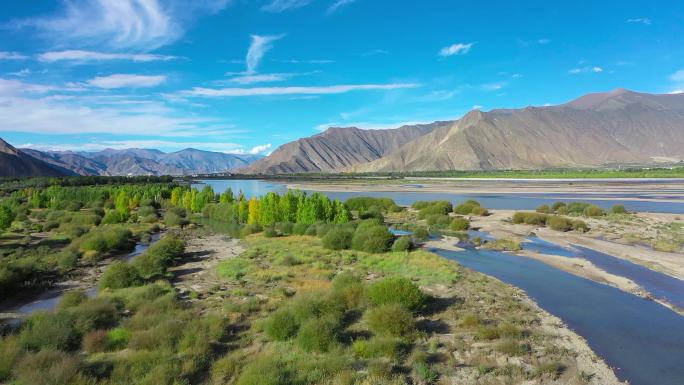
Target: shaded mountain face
point(337, 148)
point(143, 161)
point(16, 163)
point(619, 127)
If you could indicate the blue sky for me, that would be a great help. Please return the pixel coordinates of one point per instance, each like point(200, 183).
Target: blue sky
point(248, 76)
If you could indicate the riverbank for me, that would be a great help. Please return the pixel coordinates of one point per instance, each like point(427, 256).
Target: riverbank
point(672, 264)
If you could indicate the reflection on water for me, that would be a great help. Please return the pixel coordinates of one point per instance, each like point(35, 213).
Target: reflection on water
point(530, 201)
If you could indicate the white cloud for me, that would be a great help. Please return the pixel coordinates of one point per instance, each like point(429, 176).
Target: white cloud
point(338, 4)
point(676, 92)
point(11, 87)
point(493, 86)
point(259, 46)
point(259, 78)
point(85, 56)
point(477, 107)
point(121, 24)
point(127, 81)
point(294, 90)
point(677, 76)
point(586, 69)
point(456, 49)
point(284, 5)
point(640, 20)
point(259, 149)
point(21, 73)
point(4, 55)
point(677, 79)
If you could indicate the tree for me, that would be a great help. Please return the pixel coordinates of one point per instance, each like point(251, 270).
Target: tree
point(253, 211)
point(6, 217)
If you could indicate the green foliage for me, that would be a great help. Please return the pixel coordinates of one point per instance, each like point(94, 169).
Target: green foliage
point(120, 275)
point(372, 238)
point(396, 290)
point(438, 220)
point(338, 238)
point(435, 208)
point(545, 209)
point(593, 211)
point(618, 209)
point(402, 244)
point(425, 372)
point(266, 370)
point(318, 334)
point(49, 367)
point(528, 218)
point(113, 217)
point(281, 325)
point(376, 347)
point(10, 353)
point(504, 244)
point(367, 203)
point(559, 223)
point(459, 224)
point(49, 331)
point(513, 348)
point(71, 299)
point(6, 217)
point(466, 207)
point(421, 234)
point(580, 225)
point(234, 268)
point(391, 319)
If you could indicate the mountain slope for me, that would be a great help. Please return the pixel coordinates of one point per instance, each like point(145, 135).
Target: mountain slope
point(69, 161)
point(597, 129)
point(206, 162)
point(336, 149)
point(15, 163)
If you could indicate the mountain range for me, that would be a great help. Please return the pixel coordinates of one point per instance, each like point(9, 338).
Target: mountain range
point(30, 162)
point(599, 129)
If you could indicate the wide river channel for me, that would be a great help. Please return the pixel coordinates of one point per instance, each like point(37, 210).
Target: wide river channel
point(642, 339)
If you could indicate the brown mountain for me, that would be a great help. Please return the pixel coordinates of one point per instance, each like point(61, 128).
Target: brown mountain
point(337, 148)
point(15, 163)
point(618, 127)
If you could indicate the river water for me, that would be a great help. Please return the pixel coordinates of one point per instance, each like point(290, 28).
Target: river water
point(642, 339)
point(50, 299)
point(493, 201)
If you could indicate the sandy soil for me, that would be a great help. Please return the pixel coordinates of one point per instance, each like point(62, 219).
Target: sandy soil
point(198, 273)
point(445, 242)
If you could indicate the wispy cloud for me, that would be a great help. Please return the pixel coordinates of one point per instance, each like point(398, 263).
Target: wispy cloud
point(456, 49)
point(493, 86)
point(338, 4)
point(640, 20)
point(121, 24)
point(259, 46)
point(87, 56)
point(259, 78)
point(529, 43)
point(312, 90)
point(585, 70)
point(127, 81)
point(284, 5)
point(4, 55)
point(306, 61)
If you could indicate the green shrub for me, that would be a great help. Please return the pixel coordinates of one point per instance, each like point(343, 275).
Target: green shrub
point(528, 218)
point(504, 244)
point(71, 299)
point(94, 341)
point(593, 211)
point(577, 208)
point(390, 319)
point(281, 325)
point(270, 232)
point(338, 238)
point(266, 370)
point(402, 244)
point(466, 207)
point(113, 217)
point(175, 217)
point(225, 369)
point(487, 333)
point(544, 209)
point(318, 334)
point(513, 348)
point(117, 338)
point(49, 367)
point(366, 203)
point(284, 228)
point(549, 369)
point(425, 372)
point(67, 259)
point(438, 220)
point(479, 211)
point(559, 223)
point(317, 305)
point(250, 228)
point(421, 234)
point(618, 209)
point(395, 290)
point(300, 228)
point(49, 331)
point(234, 268)
point(148, 266)
point(349, 289)
point(119, 275)
point(470, 320)
point(580, 225)
point(435, 208)
point(556, 206)
point(95, 313)
point(376, 347)
point(372, 239)
point(10, 354)
point(459, 224)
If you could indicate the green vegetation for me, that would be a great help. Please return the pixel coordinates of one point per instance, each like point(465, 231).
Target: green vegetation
point(555, 222)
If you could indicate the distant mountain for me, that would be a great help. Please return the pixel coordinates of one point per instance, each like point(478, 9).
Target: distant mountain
point(337, 148)
point(619, 127)
point(136, 161)
point(16, 163)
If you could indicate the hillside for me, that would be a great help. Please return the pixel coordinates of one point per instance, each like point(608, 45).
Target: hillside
point(337, 148)
point(15, 163)
point(618, 127)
